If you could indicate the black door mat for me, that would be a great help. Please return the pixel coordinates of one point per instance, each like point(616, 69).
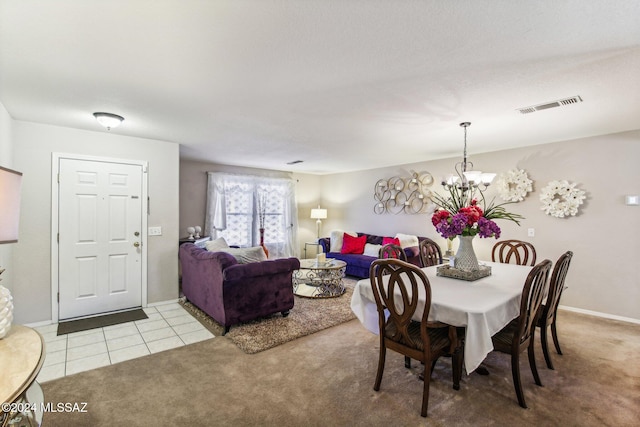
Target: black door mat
point(100, 321)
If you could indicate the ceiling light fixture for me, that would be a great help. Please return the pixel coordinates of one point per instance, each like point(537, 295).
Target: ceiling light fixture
point(108, 120)
point(467, 179)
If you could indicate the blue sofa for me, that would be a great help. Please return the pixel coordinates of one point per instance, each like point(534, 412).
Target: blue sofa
point(358, 265)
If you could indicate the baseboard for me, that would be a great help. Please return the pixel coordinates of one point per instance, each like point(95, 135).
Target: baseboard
point(171, 301)
point(38, 324)
point(599, 314)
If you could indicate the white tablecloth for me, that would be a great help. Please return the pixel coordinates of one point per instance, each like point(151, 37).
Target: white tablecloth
point(483, 307)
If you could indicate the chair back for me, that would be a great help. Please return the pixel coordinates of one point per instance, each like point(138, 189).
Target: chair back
point(391, 250)
point(518, 251)
point(532, 296)
point(430, 253)
point(396, 286)
point(556, 285)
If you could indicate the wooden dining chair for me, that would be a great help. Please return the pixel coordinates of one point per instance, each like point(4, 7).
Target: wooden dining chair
point(396, 286)
point(430, 253)
point(548, 310)
point(518, 335)
point(391, 250)
point(518, 251)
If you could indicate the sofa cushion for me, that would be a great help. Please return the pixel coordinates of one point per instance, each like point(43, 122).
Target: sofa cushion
point(390, 241)
point(216, 245)
point(353, 245)
point(407, 240)
point(247, 255)
point(337, 238)
point(371, 250)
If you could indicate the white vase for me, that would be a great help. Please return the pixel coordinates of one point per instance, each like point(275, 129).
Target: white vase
point(465, 258)
point(6, 311)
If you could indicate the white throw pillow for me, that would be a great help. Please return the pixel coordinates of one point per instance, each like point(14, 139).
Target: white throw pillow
point(247, 255)
point(407, 240)
point(336, 239)
point(372, 250)
point(216, 245)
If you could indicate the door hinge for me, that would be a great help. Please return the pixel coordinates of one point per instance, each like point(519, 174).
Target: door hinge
point(58, 296)
point(58, 178)
point(58, 238)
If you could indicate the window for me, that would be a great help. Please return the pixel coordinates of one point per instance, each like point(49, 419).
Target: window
point(239, 206)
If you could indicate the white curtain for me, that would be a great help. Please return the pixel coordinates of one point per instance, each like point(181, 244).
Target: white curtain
point(232, 211)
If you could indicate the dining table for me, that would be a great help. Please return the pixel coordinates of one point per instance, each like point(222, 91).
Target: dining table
point(483, 307)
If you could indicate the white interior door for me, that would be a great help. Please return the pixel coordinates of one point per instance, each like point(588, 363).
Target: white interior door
point(100, 237)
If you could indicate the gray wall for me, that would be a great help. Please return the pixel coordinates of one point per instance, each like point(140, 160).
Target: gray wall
point(33, 145)
point(193, 194)
point(604, 236)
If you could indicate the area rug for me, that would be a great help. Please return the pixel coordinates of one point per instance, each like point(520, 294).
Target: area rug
point(308, 315)
point(100, 321)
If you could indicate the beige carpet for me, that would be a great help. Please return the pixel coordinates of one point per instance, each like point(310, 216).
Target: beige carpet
point(326, 379)
point(308, 315)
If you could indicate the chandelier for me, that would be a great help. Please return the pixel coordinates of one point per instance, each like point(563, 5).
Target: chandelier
point(467, 181)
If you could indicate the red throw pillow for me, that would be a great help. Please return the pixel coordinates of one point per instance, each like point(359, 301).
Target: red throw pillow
point(390, 240)
point(353, 245)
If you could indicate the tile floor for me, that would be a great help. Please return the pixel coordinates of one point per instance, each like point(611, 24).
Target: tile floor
point(168, 326)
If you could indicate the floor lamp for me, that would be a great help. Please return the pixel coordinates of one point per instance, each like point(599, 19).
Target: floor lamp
point(318, 214)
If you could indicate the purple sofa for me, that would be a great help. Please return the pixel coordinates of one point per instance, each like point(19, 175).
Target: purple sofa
point(232, 293)
point(358, 265)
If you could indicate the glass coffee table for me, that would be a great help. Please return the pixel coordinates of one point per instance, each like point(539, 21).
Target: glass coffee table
point(319, 279)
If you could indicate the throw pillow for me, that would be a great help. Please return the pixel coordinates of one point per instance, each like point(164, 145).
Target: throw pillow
point(337, 239)
point(216, 245)
point(407, 240)
point(247, 255)
point(353, 245)
point(390, 241)
point(372, 250)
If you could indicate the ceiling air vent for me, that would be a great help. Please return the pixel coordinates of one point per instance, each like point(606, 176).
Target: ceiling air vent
point(554, 104)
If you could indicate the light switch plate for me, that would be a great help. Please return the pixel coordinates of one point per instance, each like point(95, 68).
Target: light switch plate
point(531, 232)
point(632, 200)
point(155, 231)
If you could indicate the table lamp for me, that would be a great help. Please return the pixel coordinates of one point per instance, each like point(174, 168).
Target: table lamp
point(10, 182)
point(318, 214)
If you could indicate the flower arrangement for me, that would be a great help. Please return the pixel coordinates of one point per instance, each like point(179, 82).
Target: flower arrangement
point(461, 215)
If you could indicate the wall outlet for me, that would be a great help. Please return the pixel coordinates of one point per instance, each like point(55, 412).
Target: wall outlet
point(531, 232)
point(154, 231)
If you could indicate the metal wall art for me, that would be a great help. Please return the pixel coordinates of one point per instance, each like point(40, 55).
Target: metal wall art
point(397, 194)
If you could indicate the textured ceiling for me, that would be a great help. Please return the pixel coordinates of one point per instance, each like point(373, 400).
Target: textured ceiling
point(342, 85)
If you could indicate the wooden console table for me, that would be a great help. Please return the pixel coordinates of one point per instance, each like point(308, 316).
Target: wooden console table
point(21, 357)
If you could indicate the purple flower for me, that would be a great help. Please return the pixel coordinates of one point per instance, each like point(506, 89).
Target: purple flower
point(452, 226)
point(488, 228)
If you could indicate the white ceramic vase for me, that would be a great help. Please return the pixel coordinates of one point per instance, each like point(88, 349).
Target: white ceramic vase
point(6, 311)
point(465, 258)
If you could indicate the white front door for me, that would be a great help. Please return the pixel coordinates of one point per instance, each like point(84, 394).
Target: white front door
point(100, 237)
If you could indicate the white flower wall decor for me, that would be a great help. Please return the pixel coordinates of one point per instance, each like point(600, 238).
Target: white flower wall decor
point(513, 185)
point(561, 199)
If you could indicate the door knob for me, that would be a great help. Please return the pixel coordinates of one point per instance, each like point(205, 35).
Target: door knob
point(136, 244)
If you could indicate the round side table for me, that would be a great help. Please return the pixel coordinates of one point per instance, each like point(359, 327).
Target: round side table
point(21, 357)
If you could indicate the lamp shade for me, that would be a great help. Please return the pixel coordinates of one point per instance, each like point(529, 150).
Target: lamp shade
point(318, 213)
point(10, 183)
